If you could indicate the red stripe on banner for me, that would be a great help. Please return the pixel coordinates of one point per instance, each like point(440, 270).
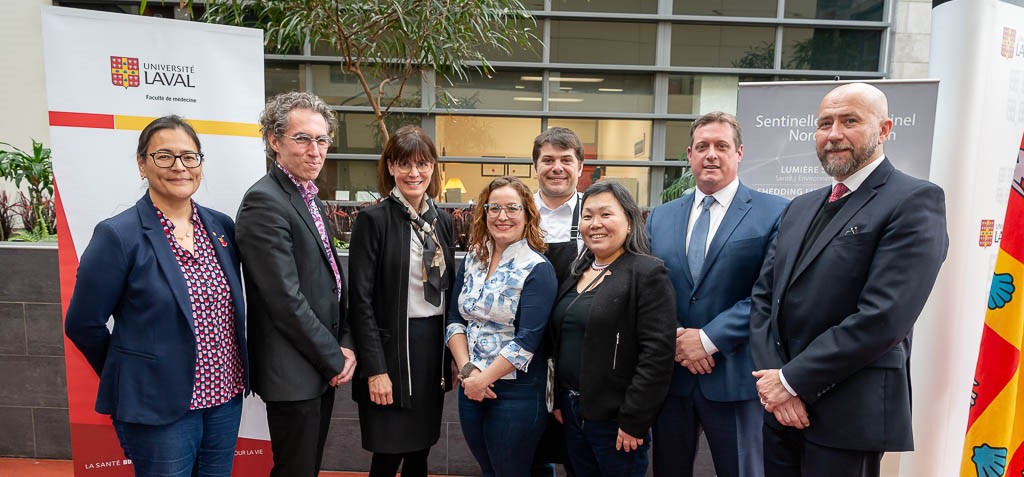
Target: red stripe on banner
point(81, 120)
point(1012, 240)
point(82, 381)
point(1014, 462)
point(997, 363)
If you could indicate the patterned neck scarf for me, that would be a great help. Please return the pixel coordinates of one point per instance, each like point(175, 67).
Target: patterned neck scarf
point(433, 255)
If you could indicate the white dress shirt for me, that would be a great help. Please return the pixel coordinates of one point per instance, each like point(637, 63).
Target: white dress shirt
point(555, 223)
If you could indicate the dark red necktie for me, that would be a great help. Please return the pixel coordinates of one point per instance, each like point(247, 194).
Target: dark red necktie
point(838, 191)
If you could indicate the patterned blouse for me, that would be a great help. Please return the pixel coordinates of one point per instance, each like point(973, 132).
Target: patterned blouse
point(504, 314)
point(219, 375)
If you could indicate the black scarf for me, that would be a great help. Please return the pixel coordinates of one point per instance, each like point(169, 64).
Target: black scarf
point(433, 255)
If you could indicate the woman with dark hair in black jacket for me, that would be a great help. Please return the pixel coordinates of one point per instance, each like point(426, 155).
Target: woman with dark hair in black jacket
point(614, 331)
point(401, 267)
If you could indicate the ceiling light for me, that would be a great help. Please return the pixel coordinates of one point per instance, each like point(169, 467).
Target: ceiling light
point(610, 90)
point(560, 79)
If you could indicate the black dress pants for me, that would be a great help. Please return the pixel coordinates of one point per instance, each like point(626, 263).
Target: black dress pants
point(298, 430)
point(788, 454)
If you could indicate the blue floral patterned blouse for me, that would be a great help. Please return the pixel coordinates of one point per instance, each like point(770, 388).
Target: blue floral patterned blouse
point(504, 314)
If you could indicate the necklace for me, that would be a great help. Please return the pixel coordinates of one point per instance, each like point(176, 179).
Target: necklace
point(187, 235)
point(597, 267)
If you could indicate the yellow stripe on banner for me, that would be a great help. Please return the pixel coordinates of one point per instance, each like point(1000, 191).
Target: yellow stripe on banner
point(1006, 321)
point(998, 426)
point(219, 128)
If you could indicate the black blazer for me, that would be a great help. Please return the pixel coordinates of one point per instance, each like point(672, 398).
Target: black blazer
point(839, 322)
point(628, 345)
point(378, 295)
point(147, 366)
point(295, 317)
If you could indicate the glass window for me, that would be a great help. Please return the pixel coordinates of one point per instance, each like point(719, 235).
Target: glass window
point(677, 139)
point(501, 90)
point(610, 139)
point(867, 10)
point(612, 6)
point(636, 179)
point(530, 53)
point(349, 180)
point(282, 77)
point(831, 49)
point(683, 96)
point(358, 133)
point(721, 45)
point(727, 8)
point(602, 42)
point(486, 136)
point(475, 177)
point(599, 92)
point(339, 88)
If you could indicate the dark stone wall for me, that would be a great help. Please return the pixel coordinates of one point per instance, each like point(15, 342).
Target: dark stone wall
point(33, 390)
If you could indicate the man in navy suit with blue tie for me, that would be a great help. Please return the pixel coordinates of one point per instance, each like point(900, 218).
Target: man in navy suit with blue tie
point(713, 242)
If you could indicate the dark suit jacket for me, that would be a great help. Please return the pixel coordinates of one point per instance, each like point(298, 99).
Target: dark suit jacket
point(628, 345)
point(847, 311)
point(147, 365)
point(295, 317)
point(720, 303)
point(378, 295)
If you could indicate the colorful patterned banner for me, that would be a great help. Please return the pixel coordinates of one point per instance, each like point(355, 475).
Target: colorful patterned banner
point(994, 446)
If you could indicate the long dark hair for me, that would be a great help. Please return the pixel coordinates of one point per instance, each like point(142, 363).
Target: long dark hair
point(636, 239)
point(159, 124)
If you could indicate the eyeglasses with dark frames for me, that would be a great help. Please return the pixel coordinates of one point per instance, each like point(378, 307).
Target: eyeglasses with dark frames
point(166, 160)
point(511, 210)
point(304, 140)
point(422, 166)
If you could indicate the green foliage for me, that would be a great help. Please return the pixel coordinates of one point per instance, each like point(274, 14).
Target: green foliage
point(390, 39)
point(684, 184)
point(36, 169)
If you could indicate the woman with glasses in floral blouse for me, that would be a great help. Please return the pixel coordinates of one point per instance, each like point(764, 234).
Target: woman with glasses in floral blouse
point(173, 371)
point(506, 289)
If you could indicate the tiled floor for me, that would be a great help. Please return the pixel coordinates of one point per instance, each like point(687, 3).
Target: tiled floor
point(62, 468)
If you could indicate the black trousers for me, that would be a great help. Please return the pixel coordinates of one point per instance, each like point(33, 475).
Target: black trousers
point(788, 454)
point(298, 430)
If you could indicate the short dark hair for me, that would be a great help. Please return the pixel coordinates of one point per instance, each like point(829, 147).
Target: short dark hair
point(274, 118)
point(562, 138)
point(407, 144)
point(159, 124)
point(719, 117)
point(636, 242)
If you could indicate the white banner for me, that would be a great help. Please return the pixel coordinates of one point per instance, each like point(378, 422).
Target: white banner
point(977, 53)
point(107, 76)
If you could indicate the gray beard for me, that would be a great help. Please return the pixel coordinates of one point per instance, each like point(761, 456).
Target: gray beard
point(843, 168)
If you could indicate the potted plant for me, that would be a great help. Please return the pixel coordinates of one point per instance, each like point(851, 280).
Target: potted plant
point(36, 169)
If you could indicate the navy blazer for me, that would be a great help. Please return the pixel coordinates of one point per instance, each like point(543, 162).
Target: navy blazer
point(147, 364)
point(839, 322)
point(720, 303)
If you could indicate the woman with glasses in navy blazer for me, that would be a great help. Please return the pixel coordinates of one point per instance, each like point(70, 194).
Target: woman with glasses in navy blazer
point(174, 369)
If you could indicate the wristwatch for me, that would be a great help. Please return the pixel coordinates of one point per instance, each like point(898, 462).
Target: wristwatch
point(466, 369)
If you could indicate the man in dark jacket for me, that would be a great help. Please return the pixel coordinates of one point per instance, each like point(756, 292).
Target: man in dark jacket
point(298, 334)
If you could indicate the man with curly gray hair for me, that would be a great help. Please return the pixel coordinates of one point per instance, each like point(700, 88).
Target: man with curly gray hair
point(300, 348)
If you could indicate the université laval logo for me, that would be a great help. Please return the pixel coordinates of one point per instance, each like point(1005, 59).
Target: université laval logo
point(124, 71)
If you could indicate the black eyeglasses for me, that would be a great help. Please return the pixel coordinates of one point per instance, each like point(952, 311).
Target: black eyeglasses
point(304, 140)
point(422, 166)
point(511, 210)
point(166, 160)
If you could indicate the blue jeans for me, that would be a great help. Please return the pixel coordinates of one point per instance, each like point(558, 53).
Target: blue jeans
point(503, 433)
point(591, 445)
point(200, 444)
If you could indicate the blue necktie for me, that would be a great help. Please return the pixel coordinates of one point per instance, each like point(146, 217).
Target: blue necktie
point(699, 238)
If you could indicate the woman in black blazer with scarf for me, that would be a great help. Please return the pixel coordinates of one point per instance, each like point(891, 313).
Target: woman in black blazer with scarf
point(401, 267)
point(614, 332)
